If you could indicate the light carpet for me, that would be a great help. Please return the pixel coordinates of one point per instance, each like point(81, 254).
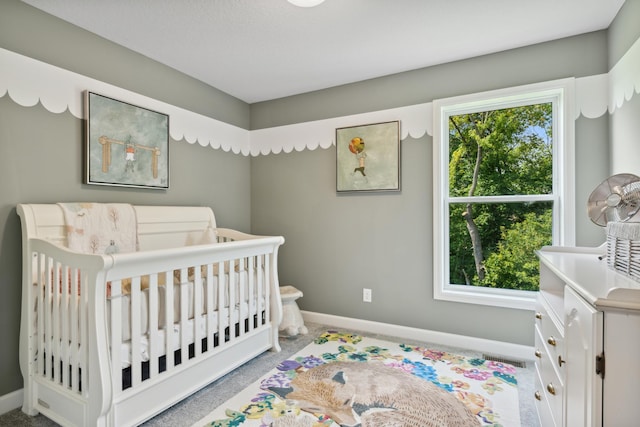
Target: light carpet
point(353, 380)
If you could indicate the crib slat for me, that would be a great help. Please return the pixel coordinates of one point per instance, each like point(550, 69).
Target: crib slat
point(168, 325)
point(232, 300)
point(55, 313)
point(260, 298)
point(74, 338)
point(242, 279)
point(197, 310)
point(260, 287)
point(184, 314)
point(222, 284)
point(64, 308)
point(40, 292)
point(210, 313)
point(49, 342)
point(153, 326)
point(136, 332)
point(83, 321)
point(116, 333)
point(251, 297)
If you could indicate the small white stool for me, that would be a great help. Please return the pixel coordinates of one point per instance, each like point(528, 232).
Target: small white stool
point(292, 322)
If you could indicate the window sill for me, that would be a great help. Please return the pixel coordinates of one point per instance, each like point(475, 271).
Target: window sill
point(507, 298)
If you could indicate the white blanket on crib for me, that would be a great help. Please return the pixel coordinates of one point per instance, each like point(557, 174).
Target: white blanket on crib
point(100, 228)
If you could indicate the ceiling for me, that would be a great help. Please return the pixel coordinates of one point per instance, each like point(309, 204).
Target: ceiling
point(258, 50)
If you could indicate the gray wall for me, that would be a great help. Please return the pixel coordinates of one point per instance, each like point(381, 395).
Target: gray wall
point(338, 244)
point(579, 56)
point(41, 152)
point(31, 32)
point(623, 31)
point(624, 131)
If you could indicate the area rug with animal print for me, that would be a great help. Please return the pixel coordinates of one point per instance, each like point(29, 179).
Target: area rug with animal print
point(344, 379)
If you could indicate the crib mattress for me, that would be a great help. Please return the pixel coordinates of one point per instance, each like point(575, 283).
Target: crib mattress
point(158, 338)
point(177, 293)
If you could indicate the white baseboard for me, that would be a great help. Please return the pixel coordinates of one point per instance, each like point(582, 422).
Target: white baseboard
point(11, 401)
point(496, 348)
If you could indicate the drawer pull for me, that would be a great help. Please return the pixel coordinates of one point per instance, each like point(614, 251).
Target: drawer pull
point(560, 361)
point(552, 341)
point(537, 395)
point(538, 354)
point(551, 389)
point(538, 315)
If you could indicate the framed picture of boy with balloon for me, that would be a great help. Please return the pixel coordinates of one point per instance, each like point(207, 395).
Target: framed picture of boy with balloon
point(368, 157)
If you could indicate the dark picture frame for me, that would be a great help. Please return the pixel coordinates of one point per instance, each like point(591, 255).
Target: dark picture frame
point(368, 157)
point(126, 145)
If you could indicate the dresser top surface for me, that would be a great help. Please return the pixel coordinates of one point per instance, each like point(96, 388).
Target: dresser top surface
point(585, 270)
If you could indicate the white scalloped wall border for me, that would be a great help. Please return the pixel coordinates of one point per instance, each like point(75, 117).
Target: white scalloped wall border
point(591, 95)
point(415, 121)
point(28, 81)
point(595, 95)
point(624, 78)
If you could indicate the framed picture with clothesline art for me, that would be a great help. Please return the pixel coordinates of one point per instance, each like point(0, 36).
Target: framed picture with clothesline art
point(126, 145)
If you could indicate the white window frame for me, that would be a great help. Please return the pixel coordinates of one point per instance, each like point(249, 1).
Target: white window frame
point(561, 94)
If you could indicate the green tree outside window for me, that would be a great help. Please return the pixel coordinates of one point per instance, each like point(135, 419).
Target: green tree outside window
point(505, 152)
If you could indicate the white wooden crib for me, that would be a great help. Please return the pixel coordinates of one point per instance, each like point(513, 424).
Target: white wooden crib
point(112, 340)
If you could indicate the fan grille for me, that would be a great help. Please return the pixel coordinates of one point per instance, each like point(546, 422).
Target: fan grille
point(616, 199)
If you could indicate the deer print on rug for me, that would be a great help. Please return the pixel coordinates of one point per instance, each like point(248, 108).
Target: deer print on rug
point(345, 379)
point(375, 395)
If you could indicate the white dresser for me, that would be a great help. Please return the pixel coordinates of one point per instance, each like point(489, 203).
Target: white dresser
point(587, 341)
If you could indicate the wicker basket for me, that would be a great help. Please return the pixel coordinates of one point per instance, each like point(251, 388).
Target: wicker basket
point(623, 248)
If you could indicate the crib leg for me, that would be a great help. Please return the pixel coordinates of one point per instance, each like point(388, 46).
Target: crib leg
point(27, 402)
point(28, 397)
point(275, 342)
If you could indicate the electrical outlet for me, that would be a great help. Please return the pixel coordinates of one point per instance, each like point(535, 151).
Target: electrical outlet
point(366, 295)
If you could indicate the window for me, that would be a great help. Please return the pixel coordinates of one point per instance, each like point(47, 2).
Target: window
point(503, 187)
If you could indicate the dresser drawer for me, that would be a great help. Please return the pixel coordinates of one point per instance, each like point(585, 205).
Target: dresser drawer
point(545, 416)
point(549, 356)
point(551, 378)
point(550, 329)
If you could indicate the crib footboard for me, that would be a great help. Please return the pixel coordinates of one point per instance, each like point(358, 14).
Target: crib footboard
point(115, 339)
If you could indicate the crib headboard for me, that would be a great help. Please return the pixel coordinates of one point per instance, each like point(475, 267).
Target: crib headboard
point(159, 227)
